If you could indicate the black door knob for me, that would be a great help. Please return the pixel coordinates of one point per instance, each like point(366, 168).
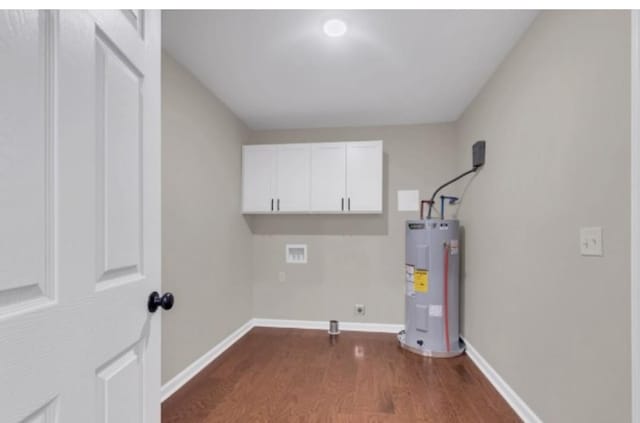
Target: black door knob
point(155, 301)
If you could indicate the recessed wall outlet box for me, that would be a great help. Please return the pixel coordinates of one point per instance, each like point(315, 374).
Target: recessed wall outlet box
point(359, 310)
point(408, 200)
point(591, 241)
point(296, 253)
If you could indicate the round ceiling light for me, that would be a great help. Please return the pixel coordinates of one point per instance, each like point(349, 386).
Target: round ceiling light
point(335, 28)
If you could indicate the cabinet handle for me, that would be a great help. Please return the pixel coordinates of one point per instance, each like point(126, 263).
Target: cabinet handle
point(342, 203)
point(278, 204)
point(272, 204)
point(349, 203)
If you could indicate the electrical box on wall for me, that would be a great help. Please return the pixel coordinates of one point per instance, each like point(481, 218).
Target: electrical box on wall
point(591, 241)
point(296, 253)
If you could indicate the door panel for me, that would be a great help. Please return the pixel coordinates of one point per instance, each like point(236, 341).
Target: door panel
point(79, 199)
point(46, 414)
point(328, 177)
point(120, 385)
point(293, 176)
point(258, 178)
point(364, 176)
point(118, 119)
point(136, 19)
point(26, 153)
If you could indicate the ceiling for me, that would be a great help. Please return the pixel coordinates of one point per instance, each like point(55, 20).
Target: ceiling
point(276, 69)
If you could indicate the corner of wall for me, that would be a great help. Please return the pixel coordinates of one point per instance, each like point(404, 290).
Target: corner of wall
point(201, 162)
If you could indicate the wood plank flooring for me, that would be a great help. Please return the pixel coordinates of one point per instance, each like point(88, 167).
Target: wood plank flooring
point(293, 375)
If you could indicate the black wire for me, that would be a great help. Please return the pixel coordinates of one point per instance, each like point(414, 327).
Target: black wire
point(433, 197)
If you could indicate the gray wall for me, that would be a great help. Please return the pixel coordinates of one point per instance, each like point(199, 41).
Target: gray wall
point(352, 259)
point(206, 243)
point(554, 324)
point(555, 115)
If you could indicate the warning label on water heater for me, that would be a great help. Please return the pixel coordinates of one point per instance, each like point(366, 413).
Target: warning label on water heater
point(421, 280)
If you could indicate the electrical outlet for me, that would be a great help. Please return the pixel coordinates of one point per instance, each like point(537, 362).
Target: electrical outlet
point(359, 310)
point(282, 277)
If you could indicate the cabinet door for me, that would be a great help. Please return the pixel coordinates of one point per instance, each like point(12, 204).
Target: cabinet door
point(328, 177)
point(293, 178)
point(258, 178)
point(364, 176)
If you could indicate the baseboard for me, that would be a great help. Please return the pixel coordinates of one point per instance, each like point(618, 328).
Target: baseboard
point(509, 395)
point(324, 325)
point(196, 367)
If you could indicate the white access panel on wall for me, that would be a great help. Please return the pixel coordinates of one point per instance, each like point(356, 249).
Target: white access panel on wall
point(364, 176)
point(80, 227)
point(259, 178)
point(293, 178)
point(328, 177)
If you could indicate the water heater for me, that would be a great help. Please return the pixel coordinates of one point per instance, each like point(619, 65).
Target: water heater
point(432, 285)
point(432, 275)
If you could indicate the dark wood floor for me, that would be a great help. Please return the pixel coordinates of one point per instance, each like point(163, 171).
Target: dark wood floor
point(292, 375)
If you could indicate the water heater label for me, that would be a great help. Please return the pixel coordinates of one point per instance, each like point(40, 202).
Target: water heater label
point(454, 247)
point(409, 273)
point(410, 290)
point(421, 280)
point(435, 310)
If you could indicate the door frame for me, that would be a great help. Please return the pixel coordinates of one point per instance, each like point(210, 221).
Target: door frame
point(635, 216)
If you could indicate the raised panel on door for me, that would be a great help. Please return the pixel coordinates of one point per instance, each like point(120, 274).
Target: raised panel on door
point(328, 177)
point(136, 19)
point(293, 178)
point(364, 176)
point(258, 178)
point(26, 160)
point(119, 386)
point(119, 143)
point(45, 414)
point(28, 283)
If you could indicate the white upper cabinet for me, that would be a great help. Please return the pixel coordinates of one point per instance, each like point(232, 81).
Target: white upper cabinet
point(293, 178)
point(332, 177)
point(328, 177)
point(276, 178)
point(364, 176)
point(259, 178)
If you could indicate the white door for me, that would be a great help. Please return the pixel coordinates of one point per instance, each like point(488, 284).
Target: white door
point(328, 177)
point(364, 176)
point(293, 176)
point(79, 216)
point(259, 178)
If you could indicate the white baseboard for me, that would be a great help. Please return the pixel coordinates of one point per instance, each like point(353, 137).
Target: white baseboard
point(317, 324)
point(196, 367)
point(513, 399)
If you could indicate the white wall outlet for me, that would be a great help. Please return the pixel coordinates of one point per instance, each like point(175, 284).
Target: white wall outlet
point(359, 310)
point(282, 277)
point(591, 241)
